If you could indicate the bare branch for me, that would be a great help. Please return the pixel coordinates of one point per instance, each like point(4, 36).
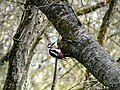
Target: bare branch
point(106, 22)
point(86, 10)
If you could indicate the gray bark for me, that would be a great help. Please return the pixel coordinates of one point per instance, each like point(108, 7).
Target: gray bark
point(78, 43)
point(25, 40)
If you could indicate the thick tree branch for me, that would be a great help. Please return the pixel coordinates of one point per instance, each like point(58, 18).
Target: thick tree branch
point(78, 43)
point(106, 22)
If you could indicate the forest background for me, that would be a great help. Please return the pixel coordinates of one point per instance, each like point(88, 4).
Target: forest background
point(100, 17)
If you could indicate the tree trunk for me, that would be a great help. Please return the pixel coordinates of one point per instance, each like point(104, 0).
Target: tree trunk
point(78, 43)
point(25, 41)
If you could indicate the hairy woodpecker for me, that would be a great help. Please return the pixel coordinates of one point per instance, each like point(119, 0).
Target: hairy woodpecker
point(55, 52)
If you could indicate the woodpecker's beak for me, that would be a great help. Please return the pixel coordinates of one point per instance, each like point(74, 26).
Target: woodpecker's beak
point(49, 46)
point(53, 45)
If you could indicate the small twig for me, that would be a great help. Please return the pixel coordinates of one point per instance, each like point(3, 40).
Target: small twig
point(74, 85)
point(115, 42)
point(55, 76)
point(89, 9)
point(17, 40)
point(68, 70)
point(20, 3)
point(113, 35)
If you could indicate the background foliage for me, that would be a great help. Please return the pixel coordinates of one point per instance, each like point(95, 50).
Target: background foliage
point(71, 75)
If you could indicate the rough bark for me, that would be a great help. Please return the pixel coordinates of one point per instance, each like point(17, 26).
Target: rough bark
point(25, 41)
point(78, 43)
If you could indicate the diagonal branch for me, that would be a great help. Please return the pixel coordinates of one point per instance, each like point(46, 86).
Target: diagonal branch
point(86, 10)
point(106, 22)
point(68, 71)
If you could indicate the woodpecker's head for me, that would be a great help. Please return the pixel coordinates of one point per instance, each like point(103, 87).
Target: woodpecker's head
point(55, 52)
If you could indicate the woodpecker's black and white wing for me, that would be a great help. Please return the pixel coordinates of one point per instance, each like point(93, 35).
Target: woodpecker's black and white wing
point(56, 53)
